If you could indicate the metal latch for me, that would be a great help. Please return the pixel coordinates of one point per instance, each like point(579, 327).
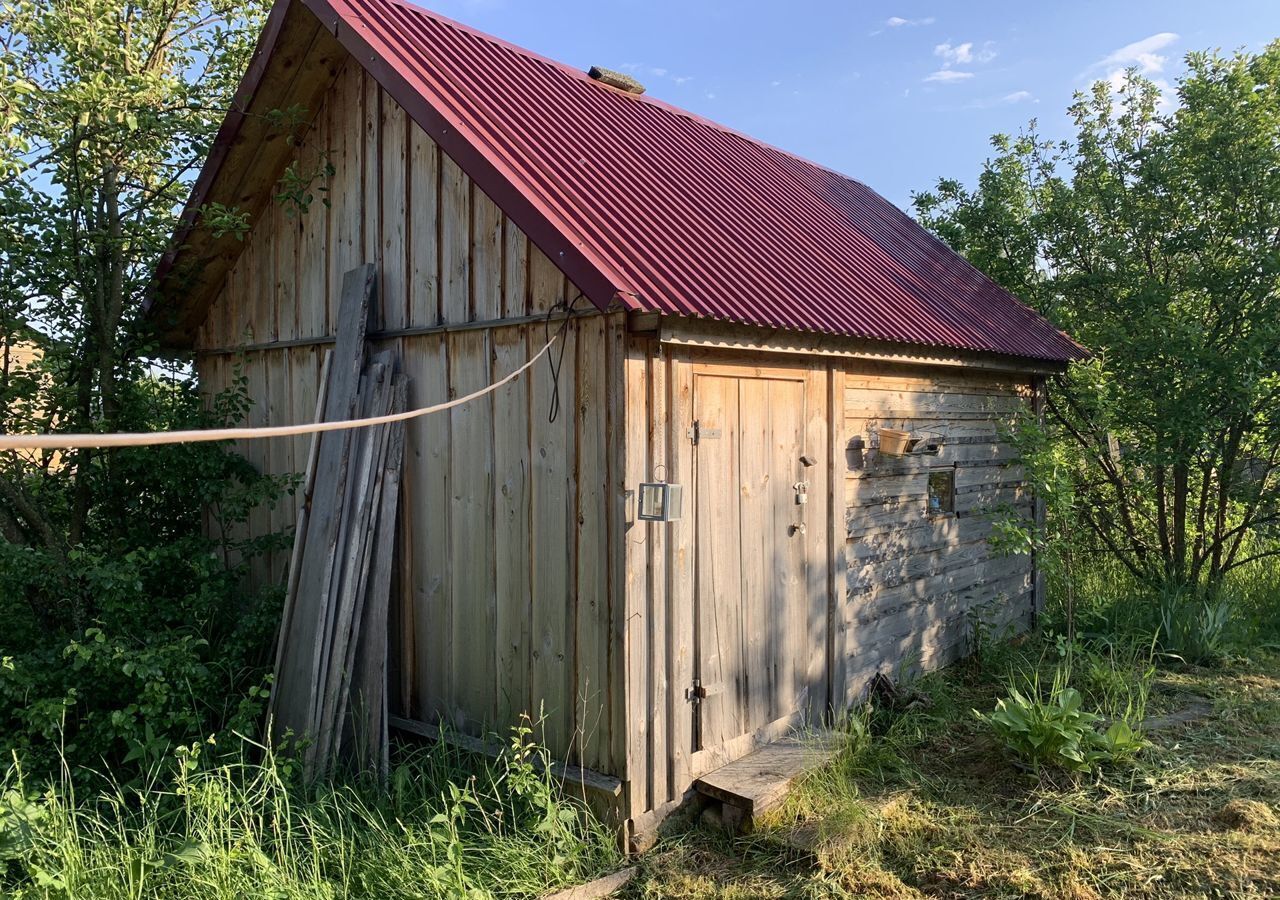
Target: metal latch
point(700, 691)
point(701, 433)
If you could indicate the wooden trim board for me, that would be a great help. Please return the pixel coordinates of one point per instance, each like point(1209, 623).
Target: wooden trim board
point(714, 335)
point(584, 778)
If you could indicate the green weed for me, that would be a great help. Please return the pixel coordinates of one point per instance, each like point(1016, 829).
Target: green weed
point(444, 825)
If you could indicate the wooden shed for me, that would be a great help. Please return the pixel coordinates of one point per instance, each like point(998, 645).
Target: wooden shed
point(745, 325)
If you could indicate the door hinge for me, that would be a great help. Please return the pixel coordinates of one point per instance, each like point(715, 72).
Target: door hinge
point(699, 432)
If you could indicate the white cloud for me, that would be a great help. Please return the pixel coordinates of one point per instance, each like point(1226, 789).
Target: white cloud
point(1006, 100)
point(964, 54)
point(644, 70)
point(899, 22)
point(1143, 54)
point(948, 75)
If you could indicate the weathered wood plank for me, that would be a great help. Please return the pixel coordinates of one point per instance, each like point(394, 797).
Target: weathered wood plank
point(622, 708)
point(662, 702)
point(486, 258)
point(760, 781)
point(313, 223)
point(719, 637)
point(278, 453)
point(372, 162)
point(870, 612)
point(921, 404)
point(605, 886)
point(546, 283)
point(930, 642)
point(810, 639)
point(369, 687)
point(591, 534)
point(888, 378)
point(423, 223)
point(351, 575)
point(343, 245)
point(511, 464)
point(428, 463)
point(681, 595)
point(643, 751)
point(455, 242)
point(551, 676)
point(836, 543)
point(515, 279)
point(301, 520)
point(471, 535)
point(751, 543)
point(933, 533)
point(393, 178)
point(881, 574)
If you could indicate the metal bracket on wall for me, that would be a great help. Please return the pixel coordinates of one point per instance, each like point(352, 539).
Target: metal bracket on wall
point(699, 433)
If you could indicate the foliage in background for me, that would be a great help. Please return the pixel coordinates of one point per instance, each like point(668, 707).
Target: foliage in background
point(1151, 238)
point(125, 630)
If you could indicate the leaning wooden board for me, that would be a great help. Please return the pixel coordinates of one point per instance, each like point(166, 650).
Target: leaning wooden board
point(331, 667)
point(298, 664)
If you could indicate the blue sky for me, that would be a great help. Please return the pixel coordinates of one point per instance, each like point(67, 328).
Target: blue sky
point(893, 94)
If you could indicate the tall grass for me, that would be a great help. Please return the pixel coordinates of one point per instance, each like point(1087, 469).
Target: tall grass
point(1194, 626)
point(445, 825)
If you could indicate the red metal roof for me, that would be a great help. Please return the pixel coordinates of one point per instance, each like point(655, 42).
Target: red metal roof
point(675, 214)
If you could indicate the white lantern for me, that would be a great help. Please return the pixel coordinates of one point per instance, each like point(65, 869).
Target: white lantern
point(660, 501)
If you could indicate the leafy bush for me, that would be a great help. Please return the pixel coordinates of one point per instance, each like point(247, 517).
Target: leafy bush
point(142, 637)
point(1056, 731)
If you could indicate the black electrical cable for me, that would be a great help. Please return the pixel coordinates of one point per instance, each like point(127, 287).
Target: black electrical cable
point(555, 359)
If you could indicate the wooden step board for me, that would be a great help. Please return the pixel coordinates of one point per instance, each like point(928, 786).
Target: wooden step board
point(759, 781)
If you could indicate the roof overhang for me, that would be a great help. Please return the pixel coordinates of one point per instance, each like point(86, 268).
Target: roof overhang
point(710, 334)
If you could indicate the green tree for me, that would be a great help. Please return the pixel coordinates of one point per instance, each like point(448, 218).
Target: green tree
point(125, 629)
point(1154, 239)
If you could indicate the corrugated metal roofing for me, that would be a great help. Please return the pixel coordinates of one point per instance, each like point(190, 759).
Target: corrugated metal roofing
point(684, 216)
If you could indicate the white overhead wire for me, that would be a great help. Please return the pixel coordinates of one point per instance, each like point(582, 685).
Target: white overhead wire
point(155, 438)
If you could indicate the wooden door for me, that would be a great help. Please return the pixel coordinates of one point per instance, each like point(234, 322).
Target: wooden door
point(751, 603)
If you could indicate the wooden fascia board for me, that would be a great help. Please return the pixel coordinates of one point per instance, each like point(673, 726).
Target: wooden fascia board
point(713, 335)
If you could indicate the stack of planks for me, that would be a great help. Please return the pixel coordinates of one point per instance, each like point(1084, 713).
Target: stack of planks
point(329, 692)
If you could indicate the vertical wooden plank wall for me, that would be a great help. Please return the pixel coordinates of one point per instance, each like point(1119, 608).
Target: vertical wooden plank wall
point(918, 584)
point(508, 583)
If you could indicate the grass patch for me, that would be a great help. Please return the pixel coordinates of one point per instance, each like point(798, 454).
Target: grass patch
point(928, 804)
point(447, 824)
